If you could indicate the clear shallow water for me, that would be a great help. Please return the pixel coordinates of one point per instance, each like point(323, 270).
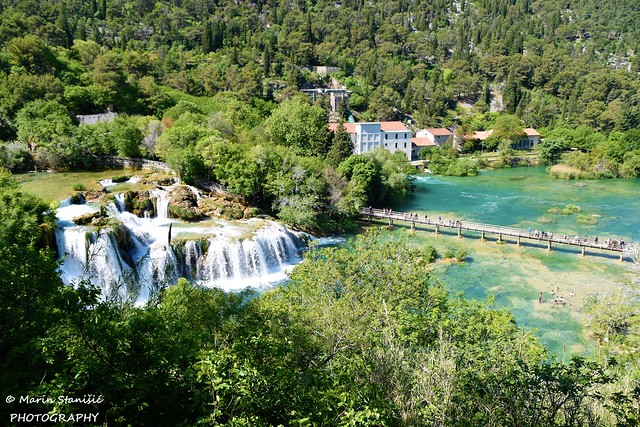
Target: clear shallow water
point(522, 197)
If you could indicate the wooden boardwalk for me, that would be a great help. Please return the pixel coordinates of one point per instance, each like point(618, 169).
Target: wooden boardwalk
point(439, 223)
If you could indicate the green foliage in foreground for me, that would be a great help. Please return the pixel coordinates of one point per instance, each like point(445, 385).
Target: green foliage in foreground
point(364, 335)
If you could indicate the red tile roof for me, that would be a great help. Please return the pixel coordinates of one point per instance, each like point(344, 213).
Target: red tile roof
point(349, 127)
point(439, 131)
point(423, 142)
point(531, 132)
point(393, 126)
point(482, 134)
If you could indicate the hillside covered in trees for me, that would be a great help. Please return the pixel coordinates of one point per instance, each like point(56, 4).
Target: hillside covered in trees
point(565, 63)
point(568, 68)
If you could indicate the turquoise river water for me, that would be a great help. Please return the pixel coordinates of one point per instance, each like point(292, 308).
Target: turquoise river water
point(523, 198)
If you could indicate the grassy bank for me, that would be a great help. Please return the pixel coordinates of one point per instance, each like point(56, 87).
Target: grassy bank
point(54, 186)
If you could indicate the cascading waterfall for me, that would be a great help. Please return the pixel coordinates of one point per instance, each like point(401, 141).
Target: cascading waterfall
point(132, 258)
point(160, 198)
point(271, 250)
point(120, 202)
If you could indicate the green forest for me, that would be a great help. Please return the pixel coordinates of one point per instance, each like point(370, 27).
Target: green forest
point(360, 336)
point(568, 69)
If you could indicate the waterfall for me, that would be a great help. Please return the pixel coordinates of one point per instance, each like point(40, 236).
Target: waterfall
point(66, 202)
point(196, 192)
point(120, 202)
point(132, 258)
point(160, 198)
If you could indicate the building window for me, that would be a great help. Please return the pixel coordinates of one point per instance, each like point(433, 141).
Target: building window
point(386, 136)
point(405, 145)
point(396, 145)
point(396, 136)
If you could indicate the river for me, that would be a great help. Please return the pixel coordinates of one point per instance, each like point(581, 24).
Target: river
point(529, 198)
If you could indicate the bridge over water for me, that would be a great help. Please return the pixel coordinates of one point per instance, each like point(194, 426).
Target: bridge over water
point(489, 229)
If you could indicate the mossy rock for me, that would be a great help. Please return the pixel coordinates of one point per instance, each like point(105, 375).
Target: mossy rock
point(220, 206)
point(85, 219)
point(77, 199)
point(546, 220)
point(138, 202)
point(567, 210)
point(100, 221)
point(94, 194)
point(183, 196)
point(121, 178)
point(186, 214)
point(163, 181)
point(570, 209)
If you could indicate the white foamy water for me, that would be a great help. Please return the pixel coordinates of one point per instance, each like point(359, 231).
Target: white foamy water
point(132, 258)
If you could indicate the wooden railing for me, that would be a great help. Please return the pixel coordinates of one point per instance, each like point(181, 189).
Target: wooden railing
point(501, 231)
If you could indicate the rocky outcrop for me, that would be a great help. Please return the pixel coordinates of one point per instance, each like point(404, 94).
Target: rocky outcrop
point(138, 202)
point(94, 195)
point(86, 219)
point(158, 180)
point(220, 206)
point(183, 204)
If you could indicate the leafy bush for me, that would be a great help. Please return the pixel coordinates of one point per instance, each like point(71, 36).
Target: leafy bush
point(429, 254)
point(462, 167)
point(79, 187)
point(461, 255)
point(121, 178)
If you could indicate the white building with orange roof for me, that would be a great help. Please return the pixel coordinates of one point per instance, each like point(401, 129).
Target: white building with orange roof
point(532, 139)
point(367, 136)
point(438, 136)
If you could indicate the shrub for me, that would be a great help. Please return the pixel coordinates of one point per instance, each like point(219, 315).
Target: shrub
point(121, 178)
point(461, 255)
point(79, 187)
point(429, 253)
